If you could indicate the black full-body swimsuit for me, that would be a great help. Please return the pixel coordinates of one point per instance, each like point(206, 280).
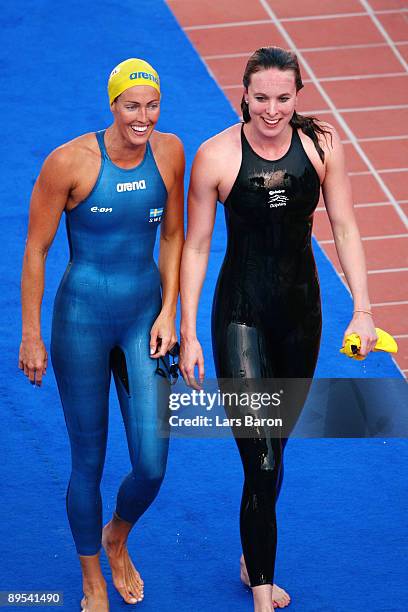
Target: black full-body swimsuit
point(266, 320)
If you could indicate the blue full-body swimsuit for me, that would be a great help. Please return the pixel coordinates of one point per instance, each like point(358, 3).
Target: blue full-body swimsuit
point(104, 309)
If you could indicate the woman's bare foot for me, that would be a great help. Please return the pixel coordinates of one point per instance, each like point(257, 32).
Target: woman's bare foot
point(94, 586)
point(95, 602)
point(263, 598)
point(280, 598)
point(125, 576)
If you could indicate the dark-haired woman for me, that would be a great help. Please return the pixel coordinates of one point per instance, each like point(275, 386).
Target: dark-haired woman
point(266, 322)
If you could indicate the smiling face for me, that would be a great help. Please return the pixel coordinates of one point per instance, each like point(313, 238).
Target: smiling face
point(271, 99)
point(136, 112)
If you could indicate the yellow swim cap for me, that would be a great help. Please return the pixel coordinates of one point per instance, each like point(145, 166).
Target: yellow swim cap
point(129, 73)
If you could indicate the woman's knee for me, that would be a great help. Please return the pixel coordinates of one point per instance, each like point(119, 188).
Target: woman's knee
point(88, 464)
point(150, 464)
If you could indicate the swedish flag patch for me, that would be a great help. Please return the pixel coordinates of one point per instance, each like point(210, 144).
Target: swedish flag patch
point(155, 215)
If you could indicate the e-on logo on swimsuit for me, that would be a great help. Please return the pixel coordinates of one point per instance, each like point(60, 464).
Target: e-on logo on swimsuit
point(155, 215)
point(277, 198)
point(101, 209)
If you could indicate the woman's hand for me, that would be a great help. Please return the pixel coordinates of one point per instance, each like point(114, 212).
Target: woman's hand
point(191, 354)
point(362, 324)
point(162, 335)
point(33, 360)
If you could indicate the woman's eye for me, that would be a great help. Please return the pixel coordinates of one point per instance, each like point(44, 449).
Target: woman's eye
point(149, 107)
point(259, 98)
point(285, 99)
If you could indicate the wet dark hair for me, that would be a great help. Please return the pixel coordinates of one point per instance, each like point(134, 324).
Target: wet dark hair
point(275, 57)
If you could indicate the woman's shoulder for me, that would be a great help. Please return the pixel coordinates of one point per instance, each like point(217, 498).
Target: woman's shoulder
point(331, 144)
point(75, 150)
point(70, 156)
point(168, 151)
point(165, 139)
point(327, 136)
point(222, 143)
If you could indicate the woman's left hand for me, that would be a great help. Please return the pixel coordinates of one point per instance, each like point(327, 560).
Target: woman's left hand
point(162, 335)
point(362, 324)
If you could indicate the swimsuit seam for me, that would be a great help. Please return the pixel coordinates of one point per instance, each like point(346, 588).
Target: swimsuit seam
point(98, 180)
point(309, 160)
point(239, 171)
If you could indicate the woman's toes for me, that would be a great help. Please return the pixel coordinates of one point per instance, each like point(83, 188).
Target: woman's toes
point(127, 596)
point(136, 591)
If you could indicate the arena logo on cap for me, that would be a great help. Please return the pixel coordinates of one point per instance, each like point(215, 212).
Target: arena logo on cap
point(147, 76)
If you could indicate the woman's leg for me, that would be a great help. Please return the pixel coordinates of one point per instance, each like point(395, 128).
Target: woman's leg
point(143, 398)
point(241, 356)
point(81, 366)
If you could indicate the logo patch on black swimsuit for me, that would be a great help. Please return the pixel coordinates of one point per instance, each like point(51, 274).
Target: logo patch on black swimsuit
point(273, 183)
point(277, 198)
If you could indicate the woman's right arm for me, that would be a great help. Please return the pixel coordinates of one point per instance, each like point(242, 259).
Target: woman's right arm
point(48, 200)
point(202, 202)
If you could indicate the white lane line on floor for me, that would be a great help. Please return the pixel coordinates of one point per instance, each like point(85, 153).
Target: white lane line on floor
point(360, 109)
point(328, 17)
point(365, 238)
point(369, 205)
point(351, 77)
point(359, 77)
point(339, 15)
point(378, 138)
point(382, 171)
point(382, 304)
point(384, 32)
point(384, 271)
point(222, 56)
point(365, 205)
point(230, 24)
